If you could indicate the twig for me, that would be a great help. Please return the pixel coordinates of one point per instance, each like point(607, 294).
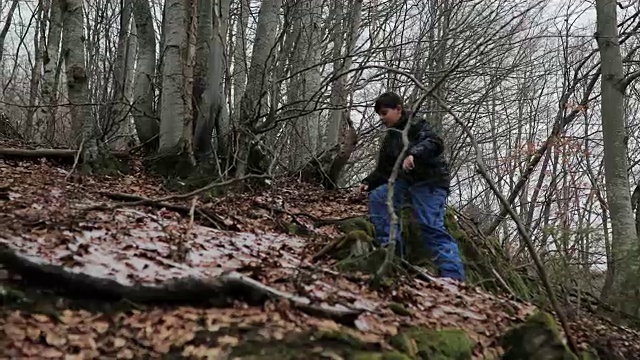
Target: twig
point(502, 282)
point(75, 161)
point(390, 188)
point(521, 228)
point(330, 246)
point(191, 211)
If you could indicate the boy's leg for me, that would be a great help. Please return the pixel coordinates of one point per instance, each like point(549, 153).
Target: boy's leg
point(429, 207)
point(379, 212)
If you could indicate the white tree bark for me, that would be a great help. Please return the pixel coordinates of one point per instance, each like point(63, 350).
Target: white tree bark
point(172, 111)
point(120, 108)
point(258, 75)
point(624, 236)
point(7, 26)
point(143, 87)
point(36, 71)
point(214, 108)
point(45, 116)
point(83, 124)
point(191, 12)
point(240, 66)
point(339, 95)
point(312, 34)
point(201, 81)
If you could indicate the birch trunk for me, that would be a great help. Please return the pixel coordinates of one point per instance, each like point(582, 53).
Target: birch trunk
point(624, 236)
point(143, 87)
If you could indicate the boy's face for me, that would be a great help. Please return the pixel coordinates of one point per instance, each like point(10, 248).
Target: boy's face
point(390, 116)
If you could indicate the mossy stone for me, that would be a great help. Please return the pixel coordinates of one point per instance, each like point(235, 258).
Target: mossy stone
point(537, 338)
point(359, 223)
point(445, 344)
point(379, 356)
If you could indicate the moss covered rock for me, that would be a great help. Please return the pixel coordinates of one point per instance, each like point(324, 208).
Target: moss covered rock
point(320, 344)
point(446, 344)
point(392, 355)
point(538, 338)
point(358, 223)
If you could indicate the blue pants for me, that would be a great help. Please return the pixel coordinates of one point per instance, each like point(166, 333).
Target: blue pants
point(428, 207)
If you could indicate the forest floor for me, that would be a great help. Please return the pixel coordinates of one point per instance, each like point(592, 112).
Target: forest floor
point(90, 271)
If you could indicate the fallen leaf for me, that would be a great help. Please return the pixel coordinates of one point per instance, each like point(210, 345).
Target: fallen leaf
point(54, 339)
point(125, 353)
point(41, 318)
point(51, 353)
point(228, 340)
point(14, 332)
point(100, 326)
point(119, 342)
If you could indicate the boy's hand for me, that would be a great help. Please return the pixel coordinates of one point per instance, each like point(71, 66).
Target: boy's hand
point(408, 164)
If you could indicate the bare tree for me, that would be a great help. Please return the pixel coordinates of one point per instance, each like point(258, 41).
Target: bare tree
point(624, 238)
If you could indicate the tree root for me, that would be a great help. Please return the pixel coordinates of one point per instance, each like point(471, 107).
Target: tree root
point(217, 290)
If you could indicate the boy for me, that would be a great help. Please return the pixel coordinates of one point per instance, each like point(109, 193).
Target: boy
point(424, 176)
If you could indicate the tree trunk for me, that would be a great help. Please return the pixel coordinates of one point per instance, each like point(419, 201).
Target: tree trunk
point(83, 124)
point(117, 125)
point(191, 12)
point(240, 57)
point(337, 97)
point(258, 75)
point(7, 26)
point(36, 71)
point(52, 70)
point(201, 69)
point(219, 112)
point(624, 237)
point(172, 104)
point(307, 126)
point(214, 110)
point(144, 116)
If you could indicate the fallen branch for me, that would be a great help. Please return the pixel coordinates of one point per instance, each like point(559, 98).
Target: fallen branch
point(217, 289)
point(188, 195)
point(215, 220)
point(317, 221)
point(67, 154)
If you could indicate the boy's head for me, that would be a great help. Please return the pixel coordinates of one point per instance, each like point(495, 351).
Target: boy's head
point(389, 107)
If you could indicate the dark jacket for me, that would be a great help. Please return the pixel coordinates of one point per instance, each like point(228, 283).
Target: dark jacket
point(427, 149)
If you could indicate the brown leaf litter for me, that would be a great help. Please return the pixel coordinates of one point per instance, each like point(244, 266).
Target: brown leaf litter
point(44, 222)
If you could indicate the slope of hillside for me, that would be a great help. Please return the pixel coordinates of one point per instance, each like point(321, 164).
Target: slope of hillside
point(92, 267)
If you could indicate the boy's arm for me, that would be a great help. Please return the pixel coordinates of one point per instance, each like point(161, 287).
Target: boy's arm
point(373, 178)
point(428, 144)
point(376, 177)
